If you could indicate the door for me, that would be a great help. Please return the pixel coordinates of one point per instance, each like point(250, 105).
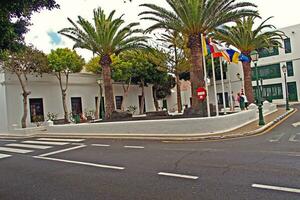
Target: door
point(140, 103)
point(292, 89)
point(36, 110)
point(76, 105)
point(101, 107)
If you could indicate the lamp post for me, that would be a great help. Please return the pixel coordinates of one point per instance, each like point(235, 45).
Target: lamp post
point(99, 82)
point(254, 58)
point(284, 70)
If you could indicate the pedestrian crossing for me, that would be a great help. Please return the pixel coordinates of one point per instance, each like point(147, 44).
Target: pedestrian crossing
point(29, 146)
point(285, 137)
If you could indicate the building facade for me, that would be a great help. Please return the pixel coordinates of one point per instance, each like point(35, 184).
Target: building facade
point(45, 98)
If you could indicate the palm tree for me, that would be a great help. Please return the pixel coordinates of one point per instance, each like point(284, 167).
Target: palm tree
point(247, 38)
point(106, 37)
point(193, 18)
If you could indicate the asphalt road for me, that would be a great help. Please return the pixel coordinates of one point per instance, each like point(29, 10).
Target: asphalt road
point(260, 167)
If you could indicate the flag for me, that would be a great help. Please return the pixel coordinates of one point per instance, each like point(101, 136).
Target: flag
point(233, 55)
point(244, 58)
point(204, 46)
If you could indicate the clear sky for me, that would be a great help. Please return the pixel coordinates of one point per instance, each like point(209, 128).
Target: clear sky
point(43, 32)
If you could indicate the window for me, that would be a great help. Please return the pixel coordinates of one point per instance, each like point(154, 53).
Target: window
point(119, 100)
point(36, 110)
point(272, 51)
point(76, 105)
point(290, 70)
point(270, 92)
point(287, 45)
point(267, 72)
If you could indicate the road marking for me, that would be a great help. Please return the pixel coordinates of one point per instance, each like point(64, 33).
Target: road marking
point(82, 163)
point(178, 175)
point(15, 150)
point(293, 138)
point(61, 139)
point(47, 143)
point(134, 147)
point(101, 145)
point(277, 137)
point(4, 156)
point(29, 146)
point(60, 151)
point(4, 140)
point(296, 124)
point(269, 187)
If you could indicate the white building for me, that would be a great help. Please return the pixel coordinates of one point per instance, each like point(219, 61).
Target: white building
point(46, 97)
point(269, 70)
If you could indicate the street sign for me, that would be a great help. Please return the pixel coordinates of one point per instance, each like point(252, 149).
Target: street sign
point(201, 93)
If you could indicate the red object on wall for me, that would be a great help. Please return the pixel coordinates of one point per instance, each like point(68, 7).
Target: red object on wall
point(201, 93)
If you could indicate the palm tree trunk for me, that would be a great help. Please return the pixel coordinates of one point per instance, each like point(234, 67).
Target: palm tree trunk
point(179, 103)
point(108, 91)
point(248, 81)
point(197, 74)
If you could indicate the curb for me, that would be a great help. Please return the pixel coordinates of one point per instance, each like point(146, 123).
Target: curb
point(168, 137)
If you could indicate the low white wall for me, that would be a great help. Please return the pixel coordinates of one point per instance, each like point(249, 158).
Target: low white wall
point(166, 126)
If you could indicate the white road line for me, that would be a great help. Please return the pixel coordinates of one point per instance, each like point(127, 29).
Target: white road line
point(13, 150)
point(4, 156)
point(101, 145)
point(4, 140)
point(277, 138)
point(47, 143)
point(178, 175)
point(61, 139)
point(293, 138)
point(269, 187)
point(82, 163)
point(134, 147)
point(60, 151)
point(32, 146)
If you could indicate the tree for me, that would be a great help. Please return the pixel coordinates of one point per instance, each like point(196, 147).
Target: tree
point(193, 18)
point(14, 19)
point(107, 37)
point(247, 38)
point(63, 62)
point(23, 63)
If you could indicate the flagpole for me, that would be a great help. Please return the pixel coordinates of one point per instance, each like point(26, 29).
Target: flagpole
point(223, 89)
point(215, 86)
point(205, 79)
point(230, 89)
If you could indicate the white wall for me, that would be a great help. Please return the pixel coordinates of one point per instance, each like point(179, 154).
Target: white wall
point(47, 87)
point(3, 105)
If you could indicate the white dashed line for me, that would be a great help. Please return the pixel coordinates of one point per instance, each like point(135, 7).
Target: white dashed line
point(134, 147)
point(13, 150)
point(269, 187)
point(4, 156)
point(101, 145)
point(47, 143)
point(293, 138)
point(82, 163)
point(277, 137)
point(178, 175)
point(61, 139)
point(32, 146)
point(4, 140)
point(60, 151)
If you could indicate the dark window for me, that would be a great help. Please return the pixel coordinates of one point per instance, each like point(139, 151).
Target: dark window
point(267, 71)
point(287, 45)
point(76, 105)
point(272, 51)
point(220, 99)
point(119, 100)
point(270, 92)
point(36, 110)
point(290, 70)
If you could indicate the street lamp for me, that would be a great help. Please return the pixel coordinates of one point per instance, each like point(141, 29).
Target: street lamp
point(254, 58)
point(284, 70)
point(99, 82)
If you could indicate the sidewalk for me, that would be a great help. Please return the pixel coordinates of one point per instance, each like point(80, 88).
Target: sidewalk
point(247, 130)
